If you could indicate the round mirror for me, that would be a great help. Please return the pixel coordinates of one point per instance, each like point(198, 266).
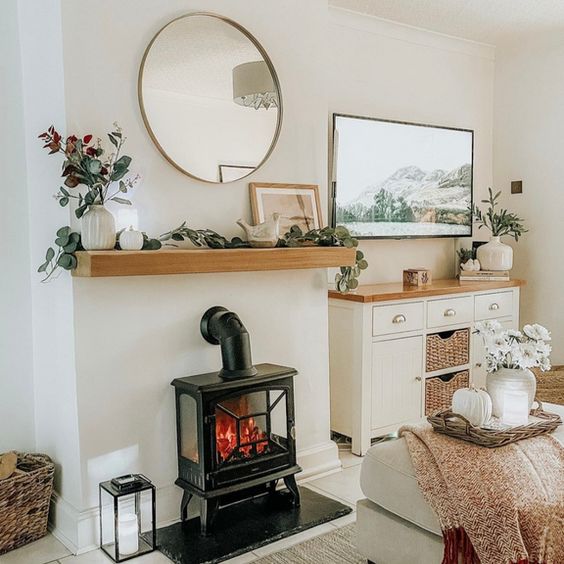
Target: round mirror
point(210, 97)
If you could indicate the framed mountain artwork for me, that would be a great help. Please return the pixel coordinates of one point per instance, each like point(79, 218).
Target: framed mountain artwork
point(394, 179)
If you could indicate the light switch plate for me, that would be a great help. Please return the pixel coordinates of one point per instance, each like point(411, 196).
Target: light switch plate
point(517, 187)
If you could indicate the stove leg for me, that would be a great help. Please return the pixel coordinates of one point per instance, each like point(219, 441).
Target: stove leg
point(272, 487)
point(290, 482)
point(186, 497)
point(208, 511)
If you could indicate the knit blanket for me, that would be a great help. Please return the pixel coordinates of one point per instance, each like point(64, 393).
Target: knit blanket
point(495, 506)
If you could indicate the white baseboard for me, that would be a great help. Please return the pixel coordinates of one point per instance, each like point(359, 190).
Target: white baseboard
point(318, 461)
point(79, 530)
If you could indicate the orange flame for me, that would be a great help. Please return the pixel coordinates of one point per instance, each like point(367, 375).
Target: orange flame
point(226, 433)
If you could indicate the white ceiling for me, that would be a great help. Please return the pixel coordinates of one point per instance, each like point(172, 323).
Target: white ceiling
point(488, 21)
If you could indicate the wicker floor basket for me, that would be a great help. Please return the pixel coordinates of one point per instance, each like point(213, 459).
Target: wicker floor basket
point(446, 350)
point(24, 501)
point(439, 390)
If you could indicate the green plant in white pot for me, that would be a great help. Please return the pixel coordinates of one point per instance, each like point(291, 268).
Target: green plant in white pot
point(510, 355)
point(87, 164)
point(496, 255)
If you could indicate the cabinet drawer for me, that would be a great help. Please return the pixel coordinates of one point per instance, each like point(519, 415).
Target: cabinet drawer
point(397, 318)
point(450, 311)
point(490, 306)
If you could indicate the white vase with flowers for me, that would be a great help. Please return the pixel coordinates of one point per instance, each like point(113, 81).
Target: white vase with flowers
point(510, 355)
point(495, 255)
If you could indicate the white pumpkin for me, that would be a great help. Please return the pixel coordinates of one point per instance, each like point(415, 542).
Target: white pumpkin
point(131, 239)
point(475, 405)
point(471, 265)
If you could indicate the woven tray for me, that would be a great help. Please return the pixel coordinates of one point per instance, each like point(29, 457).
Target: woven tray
point(457, 426)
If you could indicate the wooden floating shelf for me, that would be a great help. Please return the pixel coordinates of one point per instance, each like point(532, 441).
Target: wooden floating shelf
point(196, 261)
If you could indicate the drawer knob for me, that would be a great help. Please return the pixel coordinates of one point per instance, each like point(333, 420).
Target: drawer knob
point(494, 307)
point(450, 313)
point(418, 378)
point(478, 365)
point(399, 319)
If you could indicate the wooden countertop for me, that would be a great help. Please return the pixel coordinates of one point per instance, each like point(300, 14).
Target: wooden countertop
point(397, 291)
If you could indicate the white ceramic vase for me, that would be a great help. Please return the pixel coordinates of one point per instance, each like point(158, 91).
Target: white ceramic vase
point(495, 255)
point(98, 231)
point(510, 380)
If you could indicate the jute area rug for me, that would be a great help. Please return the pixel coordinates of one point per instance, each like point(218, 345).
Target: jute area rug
point(550, 385)
point(337, 547)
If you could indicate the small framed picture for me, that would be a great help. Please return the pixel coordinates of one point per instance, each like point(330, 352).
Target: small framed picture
point(230, 172)
point(297, 204)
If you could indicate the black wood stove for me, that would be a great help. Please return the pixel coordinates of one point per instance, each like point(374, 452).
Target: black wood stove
point(235, 428)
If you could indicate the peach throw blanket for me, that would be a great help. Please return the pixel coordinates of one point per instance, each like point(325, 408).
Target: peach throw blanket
point(495, 506)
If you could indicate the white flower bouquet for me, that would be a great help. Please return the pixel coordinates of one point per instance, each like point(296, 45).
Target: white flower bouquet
point(507, 348)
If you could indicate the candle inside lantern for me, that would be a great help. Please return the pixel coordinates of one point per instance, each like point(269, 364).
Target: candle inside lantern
point(515, 408)
point(128, 533)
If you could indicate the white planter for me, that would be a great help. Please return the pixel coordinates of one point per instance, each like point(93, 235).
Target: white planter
point(510, 380)
point(495, 255)
point(98, 231)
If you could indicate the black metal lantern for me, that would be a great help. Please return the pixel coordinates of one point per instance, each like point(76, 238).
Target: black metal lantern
point(127, 517)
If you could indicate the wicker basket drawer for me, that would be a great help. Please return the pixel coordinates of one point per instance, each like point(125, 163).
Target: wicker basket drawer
point(447, 349)
point(439, 390)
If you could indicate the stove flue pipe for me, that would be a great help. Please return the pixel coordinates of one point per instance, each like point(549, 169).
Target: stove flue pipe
point(219, 326)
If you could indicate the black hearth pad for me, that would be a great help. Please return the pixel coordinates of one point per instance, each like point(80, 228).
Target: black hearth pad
point(247, 526)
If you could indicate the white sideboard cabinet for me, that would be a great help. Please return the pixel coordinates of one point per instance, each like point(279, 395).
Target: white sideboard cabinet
point(383, 346)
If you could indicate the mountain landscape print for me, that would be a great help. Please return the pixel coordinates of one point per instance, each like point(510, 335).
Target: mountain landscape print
point(402, 180)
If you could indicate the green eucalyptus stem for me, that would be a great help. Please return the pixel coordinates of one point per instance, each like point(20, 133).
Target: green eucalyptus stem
point(347, 277)
point(499, 223)
point(52, 266)
point(201, 238)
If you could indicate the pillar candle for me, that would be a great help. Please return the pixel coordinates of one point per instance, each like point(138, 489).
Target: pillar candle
point(515, 408)
point(128, 533)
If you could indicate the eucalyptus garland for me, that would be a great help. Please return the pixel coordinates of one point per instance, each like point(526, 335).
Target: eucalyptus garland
point(202, 238)
point(347, 278)
point(68, 242)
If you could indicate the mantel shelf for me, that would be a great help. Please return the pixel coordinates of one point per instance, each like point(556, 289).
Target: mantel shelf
point(193, 261)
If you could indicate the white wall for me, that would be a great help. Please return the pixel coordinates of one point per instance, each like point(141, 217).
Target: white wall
point(16, 358)
point(529, 120)
point(56, 423)
point(134, 335)
point(381, 69)
point(106, 350)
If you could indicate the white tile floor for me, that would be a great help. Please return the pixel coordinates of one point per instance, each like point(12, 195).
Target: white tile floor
point(343, 486)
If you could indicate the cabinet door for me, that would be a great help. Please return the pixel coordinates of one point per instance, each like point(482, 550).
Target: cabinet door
point(479, 373)
point(396, 381)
